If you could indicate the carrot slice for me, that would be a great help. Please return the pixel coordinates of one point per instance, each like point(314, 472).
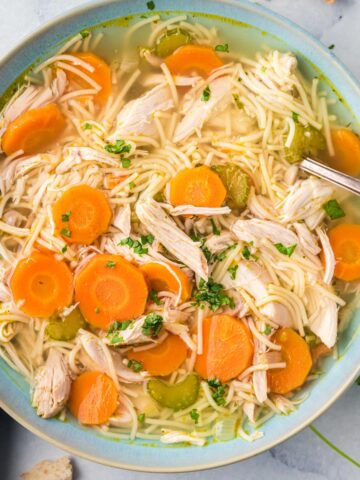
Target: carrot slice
point(113, 181)
point(228, 348)
point(43, 283)
point(193, 57)
point(198, 186)
point(164, 358)
point(296, 353)
point(34, 130)
point(81, 214)
point(347, 152)
point(93, 398)
point(110, 288)
point(345, 242)
point(159, 278)
point(101, 75)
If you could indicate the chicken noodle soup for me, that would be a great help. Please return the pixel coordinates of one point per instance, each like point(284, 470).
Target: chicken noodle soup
point(167, 272)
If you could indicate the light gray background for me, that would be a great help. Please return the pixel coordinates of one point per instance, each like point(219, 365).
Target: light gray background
point(305, 456)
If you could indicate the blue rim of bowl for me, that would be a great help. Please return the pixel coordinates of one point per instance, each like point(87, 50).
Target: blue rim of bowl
point(279, 20)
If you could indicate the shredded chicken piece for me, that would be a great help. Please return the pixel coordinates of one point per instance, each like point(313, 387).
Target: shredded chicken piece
point(174, 436)
point(200, 110)
point(254, 279)
point(122, 219)
point(255, 230)
point(51, 386)
point(191, 210)
point(165, 230)
point(136, 117)
point(325, 323)
point(329, 256)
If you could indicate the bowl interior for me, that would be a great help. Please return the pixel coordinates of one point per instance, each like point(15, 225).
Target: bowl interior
point(249, 28)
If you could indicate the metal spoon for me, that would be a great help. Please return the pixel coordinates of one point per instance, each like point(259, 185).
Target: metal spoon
point(341, 179)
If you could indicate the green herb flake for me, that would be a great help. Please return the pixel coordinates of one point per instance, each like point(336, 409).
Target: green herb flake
point(267, 330)
point(222, 48)
point(65, 217)
point(285, 250)
point(263, 69)
point(110, 264)
point(87, 126)
point(125, 162)
point(84, 33)
point(147, 239)
point(65, 232)
point(333, 209)
point(64, 249)
point(118, 148)
point(215, 229)
point(245, 252)
point(132, 185)
point(153, 297)
point(232, 271)
point(119, 326)
point(141, 417)
point(135, 365)
point(213, 294)
point(194, 415)
point(152, 325)
point(206, 94)
point(218, 391)
point(97, 310)
point(331, 47)
point(295, 117)
point(137, 245)
point(150, 5)
point(239, 104)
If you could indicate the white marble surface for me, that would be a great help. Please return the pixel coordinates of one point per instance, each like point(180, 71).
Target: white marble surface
point(305, 456)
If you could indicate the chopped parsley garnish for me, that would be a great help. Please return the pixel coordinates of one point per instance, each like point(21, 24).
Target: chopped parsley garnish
point(152, 325)
point(65, 232)
point(215, 229)
point(267, 330)
point(150, 5)
point(285, 250)
point(141, 417)
point(331, 47)
point(138, 245)
point(245, 252)
point(64, 249)
point(115, 329)
point(135, 365)
point(206, 94)
point(132, 185)
point(97, 310)
point(239, 104)
point(110, 264)
point(222, 48)
point(218, 391)
point(295, 117)
point(84, 33)
point(87, 126)
point(333, 209)
point(153, 297)
point(222, 255)
point(125, 162)
point(65, 216)
point(232, 271)
point(213, 294)
point(194, 415)
point(119, 147)
point(263, 69)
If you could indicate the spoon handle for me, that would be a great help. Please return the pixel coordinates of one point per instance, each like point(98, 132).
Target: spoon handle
point(341, 179)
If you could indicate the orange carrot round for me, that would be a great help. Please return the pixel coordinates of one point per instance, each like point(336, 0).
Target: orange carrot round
point(162, 359)
point(193, 58)
point(110, 288)
point(159, 278)
point(296, 354)
point(347, 152)
point(93, 398)
point(34, 130)
point(43, 283)
point(345, 242)
point(101, 75)
point(198, 186)
point(81, 214)
point(228, 348)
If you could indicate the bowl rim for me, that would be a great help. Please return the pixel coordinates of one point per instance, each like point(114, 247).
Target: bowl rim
point(337, 63)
